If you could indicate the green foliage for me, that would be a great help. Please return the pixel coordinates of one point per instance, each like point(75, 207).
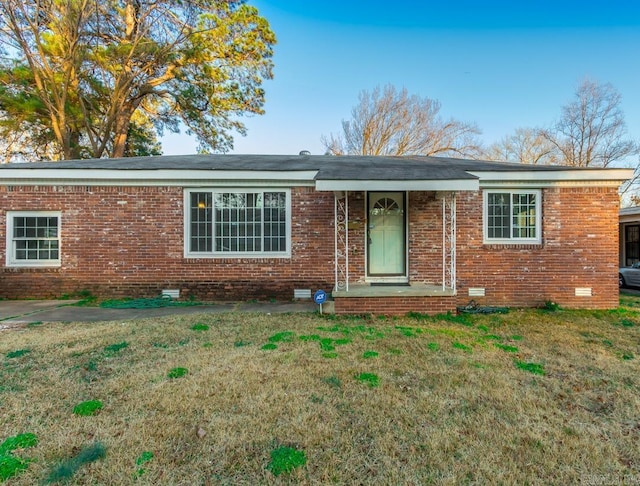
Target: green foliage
point(145, 303)
point(370, 379)
point(67, 468)
point(18, 353)
point(199, 327)
point(20, 441)
point(269, 347)
point(433, 346)
point(550, 306)
point(282, 337)
point(462, 347)
point(143, 458)
point(113, 349)
point(507, 348)
point(240, 343)
point(535, 368)
point(333, 381)
point(177, 372)
point(370, 354)
point(90, 407)
point(10, 465)
point(71, 91)
point(286, 459)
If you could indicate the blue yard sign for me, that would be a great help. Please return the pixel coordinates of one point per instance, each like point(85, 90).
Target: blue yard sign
point(320, 297)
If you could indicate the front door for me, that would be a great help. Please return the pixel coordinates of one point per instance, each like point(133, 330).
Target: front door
point(386, 236)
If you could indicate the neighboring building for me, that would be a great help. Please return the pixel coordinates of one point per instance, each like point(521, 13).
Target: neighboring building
point(384, 234)
point(629, 236)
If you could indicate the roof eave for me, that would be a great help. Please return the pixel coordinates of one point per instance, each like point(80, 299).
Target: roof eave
point(397, 185)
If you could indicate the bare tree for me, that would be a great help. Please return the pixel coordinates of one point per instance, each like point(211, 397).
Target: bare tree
point(391, 122)
point(591, 131)
point(527, 146)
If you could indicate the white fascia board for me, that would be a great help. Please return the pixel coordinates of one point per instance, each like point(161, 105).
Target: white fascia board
point(161, 177)
point(394, 185)
point(578, 176)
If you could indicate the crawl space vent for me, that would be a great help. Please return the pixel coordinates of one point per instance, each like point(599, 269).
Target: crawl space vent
point(301, 293)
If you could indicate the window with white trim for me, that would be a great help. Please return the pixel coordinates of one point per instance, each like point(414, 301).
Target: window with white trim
point(223, 223)
point(512, 216)
point(33, 239)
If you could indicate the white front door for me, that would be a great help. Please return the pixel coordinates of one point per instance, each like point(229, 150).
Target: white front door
point(386, 235)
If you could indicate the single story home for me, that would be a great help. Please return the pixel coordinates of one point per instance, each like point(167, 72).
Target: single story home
point(382, 235)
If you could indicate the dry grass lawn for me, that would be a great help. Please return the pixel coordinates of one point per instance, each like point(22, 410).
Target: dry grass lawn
point(538, 397)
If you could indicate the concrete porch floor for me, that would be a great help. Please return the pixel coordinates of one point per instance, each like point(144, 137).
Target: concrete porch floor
point(412, 290)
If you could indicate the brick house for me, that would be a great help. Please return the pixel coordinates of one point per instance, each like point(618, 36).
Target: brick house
point(383, 234)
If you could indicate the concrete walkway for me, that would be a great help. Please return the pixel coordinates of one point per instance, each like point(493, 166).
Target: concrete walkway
point(16, 312)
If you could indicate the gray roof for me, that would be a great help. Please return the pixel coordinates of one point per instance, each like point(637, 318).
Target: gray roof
point(329, 167)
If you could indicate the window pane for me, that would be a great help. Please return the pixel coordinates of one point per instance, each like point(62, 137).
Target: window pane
point(524, 215)
point(498, 215)
point(35, 238)
point(201, 222)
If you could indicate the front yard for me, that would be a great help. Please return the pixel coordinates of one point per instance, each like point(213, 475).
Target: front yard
point(537, 396)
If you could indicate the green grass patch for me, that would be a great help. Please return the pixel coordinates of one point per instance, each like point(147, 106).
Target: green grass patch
point(143, 458)
point(333, 381)
point(34, 324)
point(535, 368)
point(462, 347)
point(370, 379)
point(370, 354)
point(146, 303)
point(286, 459)
point(464, 319)
point(507, 348)
point(310, 337)
point(433, 346)
point(282, 337)
point(18, 353)
point(88, 408)
point(113, 349)
point(330, 355)
point(10, 465)
point(177, 372)
point(240, 343)
point(516, 337)
point(409, 331)
point(67, 468)
point(269, 347)
point(200, 327)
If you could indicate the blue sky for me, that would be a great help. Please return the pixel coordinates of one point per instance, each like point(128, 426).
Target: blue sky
point(502, 65)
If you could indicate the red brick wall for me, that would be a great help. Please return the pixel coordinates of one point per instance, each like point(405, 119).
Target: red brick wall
point(127, 241)
point(579, 249)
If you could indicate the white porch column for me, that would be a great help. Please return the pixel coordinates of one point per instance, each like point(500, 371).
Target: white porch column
point(341, 245)
point(448, 240)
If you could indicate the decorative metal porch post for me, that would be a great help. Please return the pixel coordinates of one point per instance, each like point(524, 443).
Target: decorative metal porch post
point(449, 241)
point(342, 240)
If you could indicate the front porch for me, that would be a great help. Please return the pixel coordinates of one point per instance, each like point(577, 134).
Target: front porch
point(427, 280)
point(395, 299)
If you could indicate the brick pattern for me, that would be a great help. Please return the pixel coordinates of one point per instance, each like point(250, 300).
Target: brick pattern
point(128, 241)
point(394, 305)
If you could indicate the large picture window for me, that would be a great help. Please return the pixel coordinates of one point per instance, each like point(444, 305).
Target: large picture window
point(237, 223)
point(33, 239)
point(512, 216)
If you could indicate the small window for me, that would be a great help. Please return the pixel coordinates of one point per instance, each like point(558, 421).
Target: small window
point(237, 223)
point(33, 239)
point(512, 216)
